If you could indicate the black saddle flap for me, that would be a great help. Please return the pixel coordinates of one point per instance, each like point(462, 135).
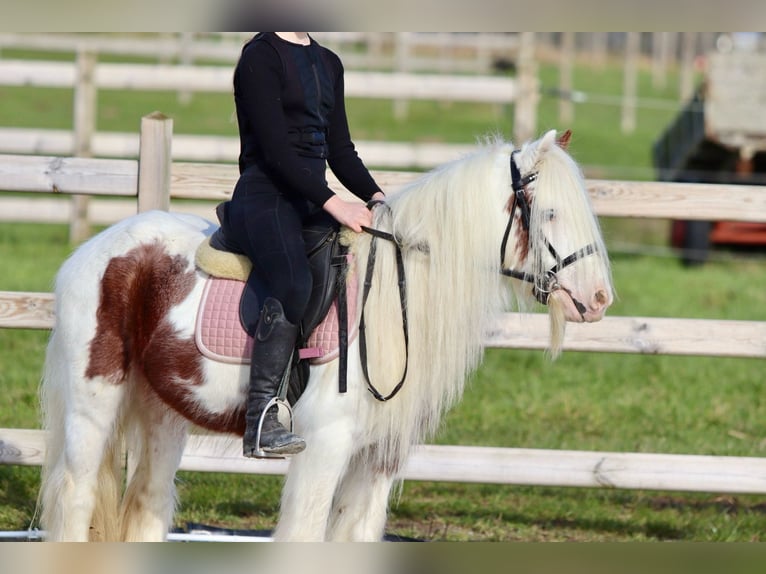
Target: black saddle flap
point(326, 256)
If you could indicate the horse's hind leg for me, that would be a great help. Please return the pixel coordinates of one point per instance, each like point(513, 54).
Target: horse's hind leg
point(361, 503)
point(156, 441)
point(80, 475)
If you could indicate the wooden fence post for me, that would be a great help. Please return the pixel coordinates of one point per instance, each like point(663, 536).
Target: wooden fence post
point(154, 162)
point(660, 58)
point(525, 108)
point(84, 115)
point(599, 48)
point(629, 86)
point(185, 58)
point(688, 52)
point(566, 62)
point(401, 53)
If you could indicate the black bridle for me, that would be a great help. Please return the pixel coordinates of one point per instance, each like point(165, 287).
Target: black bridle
point(542, 285)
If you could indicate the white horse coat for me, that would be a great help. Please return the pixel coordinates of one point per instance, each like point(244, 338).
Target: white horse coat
point(122, 361)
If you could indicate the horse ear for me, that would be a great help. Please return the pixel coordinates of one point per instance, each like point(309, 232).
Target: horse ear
point(548, 139)
point(563, 140)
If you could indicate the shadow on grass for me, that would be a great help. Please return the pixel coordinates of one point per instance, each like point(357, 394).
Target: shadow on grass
point(481, 512)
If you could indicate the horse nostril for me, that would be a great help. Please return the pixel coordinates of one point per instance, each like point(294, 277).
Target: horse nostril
point(600, 298)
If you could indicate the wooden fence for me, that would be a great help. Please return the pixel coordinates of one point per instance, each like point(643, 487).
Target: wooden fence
point(446, 52)
point(86, 76)
point(646, 335)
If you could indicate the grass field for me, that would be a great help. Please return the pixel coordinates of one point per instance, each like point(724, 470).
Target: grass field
point(584, 401)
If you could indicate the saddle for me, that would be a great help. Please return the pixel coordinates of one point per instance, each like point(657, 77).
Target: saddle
point(232, 277)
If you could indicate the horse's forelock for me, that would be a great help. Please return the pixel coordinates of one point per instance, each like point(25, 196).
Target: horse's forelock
point(560, 186)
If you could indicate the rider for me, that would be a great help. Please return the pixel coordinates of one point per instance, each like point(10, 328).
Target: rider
point(289, 97)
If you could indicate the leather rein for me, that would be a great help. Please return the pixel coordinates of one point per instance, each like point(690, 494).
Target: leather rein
point(543, 285)
point(401, 279)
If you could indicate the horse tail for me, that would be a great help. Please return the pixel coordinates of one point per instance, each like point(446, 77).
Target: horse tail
point(106, 524)
point(52, 476)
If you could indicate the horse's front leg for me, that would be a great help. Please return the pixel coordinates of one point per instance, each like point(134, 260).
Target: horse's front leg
point(311, 482)
point(330, 424)
point(361, 504)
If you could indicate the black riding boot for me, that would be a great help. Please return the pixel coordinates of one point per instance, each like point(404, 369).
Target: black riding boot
point(273, 346)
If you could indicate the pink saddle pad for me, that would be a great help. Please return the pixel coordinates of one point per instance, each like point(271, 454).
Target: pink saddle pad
point(220, 336)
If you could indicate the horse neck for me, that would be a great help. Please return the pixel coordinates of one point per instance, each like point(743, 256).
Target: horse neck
point(453, 287)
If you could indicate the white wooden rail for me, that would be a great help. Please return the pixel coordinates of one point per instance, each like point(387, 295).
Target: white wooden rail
point(532, 467)
point(647, 335)
point(105, 177)
point(159, 77)
point(424, 51)
point(207, 148)
point(641, 335)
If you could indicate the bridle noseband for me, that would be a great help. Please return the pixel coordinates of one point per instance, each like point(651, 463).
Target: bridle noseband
point(544, 285)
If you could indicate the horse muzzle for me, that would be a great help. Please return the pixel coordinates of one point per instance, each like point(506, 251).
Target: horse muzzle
point(576, 311)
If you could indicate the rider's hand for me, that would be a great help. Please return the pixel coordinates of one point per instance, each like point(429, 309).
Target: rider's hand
point(352, 214)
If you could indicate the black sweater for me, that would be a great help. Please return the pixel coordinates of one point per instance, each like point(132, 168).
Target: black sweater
point(290, 106)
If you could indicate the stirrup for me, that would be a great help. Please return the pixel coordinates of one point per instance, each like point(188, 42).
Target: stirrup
point(258, 452)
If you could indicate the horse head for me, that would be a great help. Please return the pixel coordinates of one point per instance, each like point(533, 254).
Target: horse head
point(559, 254)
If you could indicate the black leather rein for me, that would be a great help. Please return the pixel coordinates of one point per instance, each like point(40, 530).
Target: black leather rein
point(402, 281)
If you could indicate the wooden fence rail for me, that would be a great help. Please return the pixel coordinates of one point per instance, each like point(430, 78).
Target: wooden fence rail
point(379, 50)
point(163, 77)
point(208, 148)
point(648, 199)
point(647, 335)
point(489, 465)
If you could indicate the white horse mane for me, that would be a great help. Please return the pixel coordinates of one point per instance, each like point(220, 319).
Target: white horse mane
point(454, 286)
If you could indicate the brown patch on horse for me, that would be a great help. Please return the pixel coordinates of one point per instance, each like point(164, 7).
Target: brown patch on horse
point(134, 333)
point(138, 290)
point(173, 367)
point(563, 140)
point(521, 234)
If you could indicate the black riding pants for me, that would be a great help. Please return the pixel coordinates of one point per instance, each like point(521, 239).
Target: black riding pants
point(266, 225)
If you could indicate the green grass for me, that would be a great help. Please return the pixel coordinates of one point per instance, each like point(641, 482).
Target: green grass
point(584, 401)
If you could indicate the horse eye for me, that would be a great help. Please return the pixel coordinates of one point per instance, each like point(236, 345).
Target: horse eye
point(549, 215)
